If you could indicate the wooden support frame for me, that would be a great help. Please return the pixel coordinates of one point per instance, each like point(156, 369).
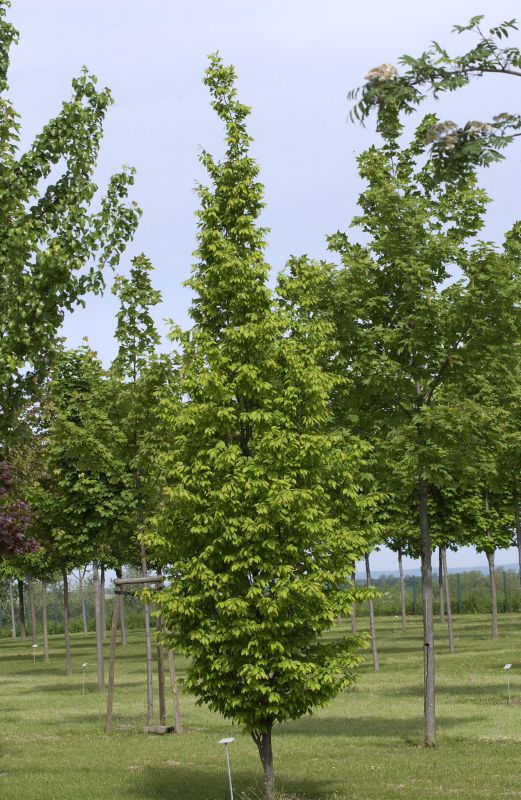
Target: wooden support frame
point(157, 581)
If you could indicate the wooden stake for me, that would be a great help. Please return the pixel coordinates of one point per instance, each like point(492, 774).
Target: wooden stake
point(13, 617)
point(112, 662)
point(44, 622)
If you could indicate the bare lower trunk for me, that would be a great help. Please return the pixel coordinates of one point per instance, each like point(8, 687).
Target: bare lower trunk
point(122, 625)
point(32, 609)
point(443, 551)
point(66, 617)
point(148, 645)
point(83, 603)
point(518, 530)
point(402, 591)
point(160, 672)
point(354, 626)
point(99, 633)
point(493, 591)
point(372, 626)
point(263, 742)
point(440, 586)
point(178, 725)
point(11, 606)
point(44, 622)
point(103, 602)
point(21, 608)
point(429, 711)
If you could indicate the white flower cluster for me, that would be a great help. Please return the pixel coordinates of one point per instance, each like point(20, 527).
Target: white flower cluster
point(443, 132)
point(385, 72)
point(477, 129)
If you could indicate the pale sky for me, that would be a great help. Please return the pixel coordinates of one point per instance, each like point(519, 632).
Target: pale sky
point(296, 60)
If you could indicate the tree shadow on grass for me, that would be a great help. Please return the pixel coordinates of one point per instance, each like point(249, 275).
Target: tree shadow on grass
point(197, 782)
point(361, 727)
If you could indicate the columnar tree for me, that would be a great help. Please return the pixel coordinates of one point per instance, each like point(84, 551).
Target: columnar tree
point(139, 373)
point(261, 515)
point(409, 324)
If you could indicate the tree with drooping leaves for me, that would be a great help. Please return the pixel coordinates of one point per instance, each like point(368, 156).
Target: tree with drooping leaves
point(262, 516)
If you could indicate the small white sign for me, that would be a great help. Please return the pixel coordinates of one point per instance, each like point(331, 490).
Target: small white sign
point(507, 666)
point(226, 741)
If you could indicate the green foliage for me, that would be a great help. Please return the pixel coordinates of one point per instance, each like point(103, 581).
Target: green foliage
point(427, 319)
point(435, 72)
point(54, 246)
point(263, 513)
point(83, 499)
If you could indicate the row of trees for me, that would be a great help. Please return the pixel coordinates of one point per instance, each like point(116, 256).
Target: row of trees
point(370, 399)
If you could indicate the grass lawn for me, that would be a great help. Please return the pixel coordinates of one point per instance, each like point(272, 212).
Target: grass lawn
point(365, 746)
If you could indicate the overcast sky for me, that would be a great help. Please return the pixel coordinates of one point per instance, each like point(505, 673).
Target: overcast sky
point(296, 61)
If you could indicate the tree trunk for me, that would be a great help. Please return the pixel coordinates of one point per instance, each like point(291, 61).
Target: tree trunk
point(402, 591)
point(263, 742)
point(103, 602)
point(21, 608)
point(32, 609)
point(443, 551)
point(148, 645)
point(11, 606)
point(160, 672)
point(372, 626)
point(178, 725)
point(493, 592)
point(122, 625)
point(440, 586)
point(354, 626)
point(429, 710)
point(83, 602)
point(66, 617)
point(99, 633)
point(44, 622)
point(518, 530)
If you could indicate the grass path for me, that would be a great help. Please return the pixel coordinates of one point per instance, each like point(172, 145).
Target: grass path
point(364, 746)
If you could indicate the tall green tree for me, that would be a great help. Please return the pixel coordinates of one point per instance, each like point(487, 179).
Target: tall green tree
point(84, 497)
point(56, 235)
point(421, 306)
point(261, 521)
point(140, 373)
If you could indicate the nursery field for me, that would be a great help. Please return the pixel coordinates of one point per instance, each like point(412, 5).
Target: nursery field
point(365, 746)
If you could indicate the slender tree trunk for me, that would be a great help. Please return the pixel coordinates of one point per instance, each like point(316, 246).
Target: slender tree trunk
point(83, 602)
point(21, 608)
point(402, 591)
point(32, 609)
point(103, 602)
point(11, 606)
point(440, 586)
point(44, 622)
point(443, 551)
point(160, 672)
point(491, 557)
point(66, 617)
point(99, 633)
point(263, 742)
point(178, 725)
point(429, 710)
point(148, 645)
point(354, 626)
point(518, 530)
point(122, 625)
point(372, 626)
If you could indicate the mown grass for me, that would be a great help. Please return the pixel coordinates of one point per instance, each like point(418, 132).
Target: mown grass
point(364, 746)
